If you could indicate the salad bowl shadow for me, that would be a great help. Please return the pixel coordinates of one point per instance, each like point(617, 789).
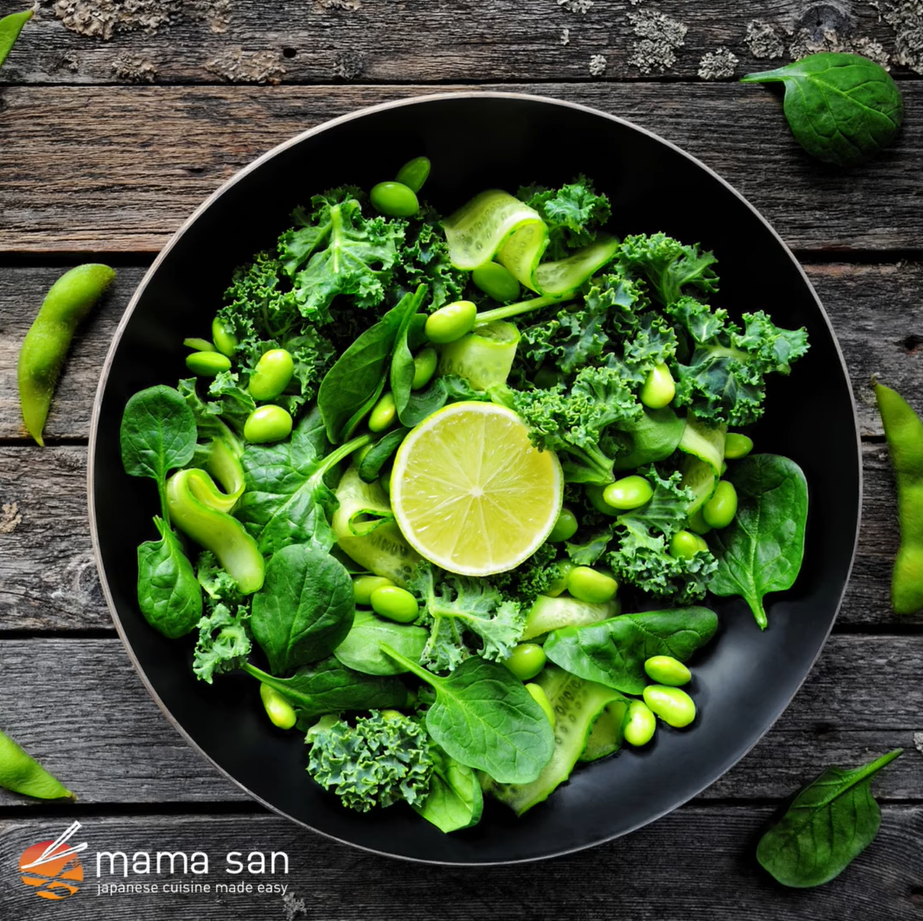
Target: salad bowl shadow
point(479, 140)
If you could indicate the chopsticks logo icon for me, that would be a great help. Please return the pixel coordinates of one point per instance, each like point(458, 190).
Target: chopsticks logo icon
point(53, 868)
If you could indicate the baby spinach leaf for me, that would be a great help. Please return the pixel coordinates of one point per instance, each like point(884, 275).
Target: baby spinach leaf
point(842, 108)
point(612, 652)
point(454, 800)
point(486, 719)
point(829, 823)
point(10, 27)
point(379, 454)
point(361, 650)
point(168, 592)
point(304, 609)
point(329, 687)
point(762, 549)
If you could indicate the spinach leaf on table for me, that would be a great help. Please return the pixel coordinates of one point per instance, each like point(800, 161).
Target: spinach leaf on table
point(304, 609)
point(361, 650)
point(842, 108)
point(613, 652)
point(829, 823)
point(762, 549)
point(10, 27)
point(486, 719)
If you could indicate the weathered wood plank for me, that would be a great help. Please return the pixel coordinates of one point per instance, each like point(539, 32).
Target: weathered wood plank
point(376, 41)
point(139, 160)
point(862, 698)
point(695, 862)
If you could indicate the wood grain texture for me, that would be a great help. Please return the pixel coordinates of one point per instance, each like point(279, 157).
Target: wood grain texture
point(126, 751)
point(379, 41)
point(140, 160)
point(698, 862)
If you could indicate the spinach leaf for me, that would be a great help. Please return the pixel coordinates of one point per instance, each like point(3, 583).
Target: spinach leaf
point(329, 687)
point(380, 453)
point(304, 609)
point(612, 652)
point(486, 719)
point(157, 434)
point(361, 650)
point(842, 108)
point(454, 800)
point(168, 592)
point(829, 823)
point(10, 27)
point(352, 386)
point(762, 549)
point(402, 366)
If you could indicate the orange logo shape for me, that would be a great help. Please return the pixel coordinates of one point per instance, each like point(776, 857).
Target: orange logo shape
point(55, 878)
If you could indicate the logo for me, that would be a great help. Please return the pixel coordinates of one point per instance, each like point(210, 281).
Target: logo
point(52, 868)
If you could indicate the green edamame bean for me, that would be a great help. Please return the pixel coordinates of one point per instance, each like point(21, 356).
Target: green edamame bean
point(559, 584)
point(383, 413)
point(541, 698)
point(525, 660)
point(684, 545)
point(280, 712)
point(703, 544)
point(564, 528)
point(394, 199)
point(21, 773)
point(272, 374)
point(673, 705)
point(721, 508)
point(225, 341)
point(449, 323)
point(640, 724)
point(424, 367)
point(659, 388)
point(207, 364)
point(363, 586)
point(737, 445)
point(590, 585)
point(697, 523)
point(267, 423)
point(496, 281)
point(667, 670)
point(395, 603)
point(414, 173)
point(628, 492)
point(48, 340)
point(198, 345)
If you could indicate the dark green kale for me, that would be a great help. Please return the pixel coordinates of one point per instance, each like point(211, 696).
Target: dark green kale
point(668, 265)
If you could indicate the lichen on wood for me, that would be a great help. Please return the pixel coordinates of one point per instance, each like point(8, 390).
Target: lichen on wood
point(659, 38)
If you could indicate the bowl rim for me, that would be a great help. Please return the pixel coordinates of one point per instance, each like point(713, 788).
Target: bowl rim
point(175, 238)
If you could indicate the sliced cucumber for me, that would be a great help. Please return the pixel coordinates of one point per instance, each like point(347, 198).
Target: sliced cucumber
point(567, 275)
point(700, 478)
point(704, 442)
point(549, 613)
point(577, 704)
point(362, 507)
point(484, 357)
point(606, 735)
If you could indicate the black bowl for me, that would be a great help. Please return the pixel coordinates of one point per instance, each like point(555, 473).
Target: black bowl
point(478, 140)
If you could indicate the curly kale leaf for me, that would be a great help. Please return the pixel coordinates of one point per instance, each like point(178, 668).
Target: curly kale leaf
point(454, 605)
point(379, 760)
point(723, 377)
point(334, 249)
point(224, 641)
point(668, 265)
point(425, 261)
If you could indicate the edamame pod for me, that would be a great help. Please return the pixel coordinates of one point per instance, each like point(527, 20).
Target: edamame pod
point(48, 340)
point(21, 773)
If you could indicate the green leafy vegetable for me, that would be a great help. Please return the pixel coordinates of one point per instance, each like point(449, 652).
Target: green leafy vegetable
point(224, 642)
point(612, 652)
point(829, 823)
point(10, 27)
point(842, 108)
point(762, 550)
point(668, 265)
point(361, 650)
point(455, 799)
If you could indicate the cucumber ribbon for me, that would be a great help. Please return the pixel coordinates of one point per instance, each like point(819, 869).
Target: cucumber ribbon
point(494, 225)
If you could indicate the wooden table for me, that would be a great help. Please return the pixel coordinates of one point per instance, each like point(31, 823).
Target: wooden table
point(115, 125)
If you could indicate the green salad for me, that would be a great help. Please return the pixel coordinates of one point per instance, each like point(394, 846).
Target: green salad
point(455, 489)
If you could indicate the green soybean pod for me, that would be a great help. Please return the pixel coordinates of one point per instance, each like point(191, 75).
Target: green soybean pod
point(267, 423)
point(525, 660)
point(450, 323)
point(271, 375)
point(207, 364)
point(225, 341)
point(394, 199)
point(496, 281)
point(737, 445)
point(628, 492)
point(21, 773)
point(640, 724)
point(564, 528)
point(414, 173)
point(395, 603)
point(424, 367)
point(280, 712)
point(673, 705)
point(590, 585)
point(48, 340)
point(363, 586)
point(659, 388)
point(721, 508)
point(667, 670)
point(541, 698)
